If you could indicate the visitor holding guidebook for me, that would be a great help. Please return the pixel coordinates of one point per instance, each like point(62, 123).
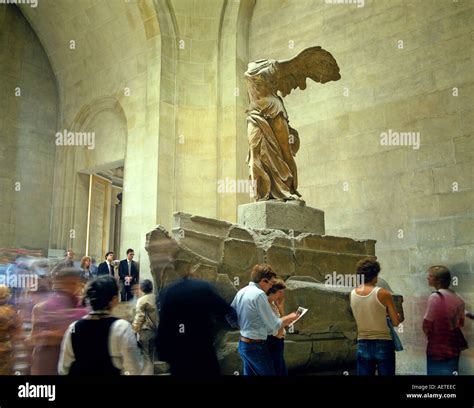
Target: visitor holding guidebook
point(256, 320)
point(300, 312)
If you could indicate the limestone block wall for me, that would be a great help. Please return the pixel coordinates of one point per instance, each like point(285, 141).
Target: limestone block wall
point(232, 146)
point(168, 66)
point(28, 117)
point(197, 31)
point(171, 72)
point(406, 66)
point(106, 58)
point(203, 101)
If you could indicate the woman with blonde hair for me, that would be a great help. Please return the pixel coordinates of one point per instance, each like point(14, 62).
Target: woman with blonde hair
point(86, 267)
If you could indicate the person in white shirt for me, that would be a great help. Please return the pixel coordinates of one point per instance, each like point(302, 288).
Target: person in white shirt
point(256, 320)
point(100, 344)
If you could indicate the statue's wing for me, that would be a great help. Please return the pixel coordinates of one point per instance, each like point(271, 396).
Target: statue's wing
point(314, 63)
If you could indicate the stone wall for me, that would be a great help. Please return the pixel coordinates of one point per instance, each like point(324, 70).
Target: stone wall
point(417, 203)
point(223, 248)
point(170, 70)
point(223, 253)
point(28, 117)
point(206, 101)
point(107, 59)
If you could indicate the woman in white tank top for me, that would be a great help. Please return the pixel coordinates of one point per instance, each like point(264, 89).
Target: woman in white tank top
point(371, 305)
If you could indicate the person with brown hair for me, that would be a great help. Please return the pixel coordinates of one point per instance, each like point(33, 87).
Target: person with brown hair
point(256, 319)
point(86, 267)
point(442, 324)
point(107, 267)
point(100, 344)
point(276, 340)
point(10, 330)
point(128, 272)
point(371, 305)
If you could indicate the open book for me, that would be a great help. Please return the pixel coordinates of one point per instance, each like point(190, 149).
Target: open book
point(301, 311)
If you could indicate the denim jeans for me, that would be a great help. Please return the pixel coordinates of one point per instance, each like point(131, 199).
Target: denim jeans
point(276, 348)
point(256, 358)
point(375, 355)
point(442, 367)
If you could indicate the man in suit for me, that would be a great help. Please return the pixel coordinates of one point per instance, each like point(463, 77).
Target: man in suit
point(128, 275)
point(106, 267)
point(186, 330)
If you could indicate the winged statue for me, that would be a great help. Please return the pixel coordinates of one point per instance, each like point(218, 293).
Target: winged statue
point(273, 143)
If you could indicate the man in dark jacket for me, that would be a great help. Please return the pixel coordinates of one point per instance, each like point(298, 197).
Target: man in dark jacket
point(107, 267)
point(128, 275)
point(186, 329)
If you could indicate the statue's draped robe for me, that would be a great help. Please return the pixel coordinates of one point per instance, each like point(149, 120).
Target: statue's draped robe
point(272, 143)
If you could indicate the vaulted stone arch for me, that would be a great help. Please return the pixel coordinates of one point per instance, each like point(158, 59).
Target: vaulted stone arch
point(106, 117)
point(106, 54)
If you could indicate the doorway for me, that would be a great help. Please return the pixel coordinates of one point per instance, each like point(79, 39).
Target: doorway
point(104, 213)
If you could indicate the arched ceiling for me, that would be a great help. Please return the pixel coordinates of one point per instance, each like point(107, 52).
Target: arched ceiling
point(108, 35)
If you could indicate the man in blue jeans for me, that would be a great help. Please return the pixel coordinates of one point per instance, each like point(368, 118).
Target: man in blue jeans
point(256, 320)
point(370, 306)
point(375, 355)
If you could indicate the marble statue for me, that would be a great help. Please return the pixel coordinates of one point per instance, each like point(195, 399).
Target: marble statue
point(273, 143)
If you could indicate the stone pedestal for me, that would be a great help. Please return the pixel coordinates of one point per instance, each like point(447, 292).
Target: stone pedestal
point(286, 216)
point(224, 253)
